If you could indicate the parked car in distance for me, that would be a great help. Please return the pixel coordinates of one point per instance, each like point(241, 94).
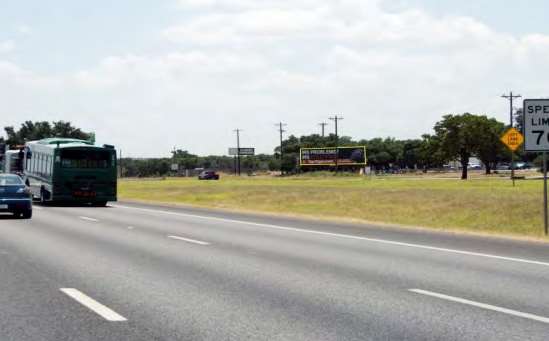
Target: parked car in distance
point(15, 196)
point(208, 175)
point(523, 165)
point(503, 166)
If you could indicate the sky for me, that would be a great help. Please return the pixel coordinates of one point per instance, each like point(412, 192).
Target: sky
point(148, 76)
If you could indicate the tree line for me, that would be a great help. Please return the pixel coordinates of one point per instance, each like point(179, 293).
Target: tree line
point(454, 138)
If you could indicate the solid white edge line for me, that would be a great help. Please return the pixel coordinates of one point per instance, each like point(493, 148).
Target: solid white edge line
point(105, 312)
point(482, 305)
point(189, 240)
point(88, 218)
point(375, 240)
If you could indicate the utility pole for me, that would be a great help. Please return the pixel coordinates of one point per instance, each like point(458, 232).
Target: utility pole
point(511, 97)
point(238, 149)
point(281, 130)
point(323, 124)
point(336, 119)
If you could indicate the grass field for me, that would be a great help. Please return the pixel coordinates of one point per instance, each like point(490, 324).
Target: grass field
point(483, 205)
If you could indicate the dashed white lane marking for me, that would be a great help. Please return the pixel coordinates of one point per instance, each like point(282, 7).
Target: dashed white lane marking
point(37, 208)
point(375, 240)
point(189, 240)
point(105, 312)
point(130, 227)
point(88, 218)
point(482, 305)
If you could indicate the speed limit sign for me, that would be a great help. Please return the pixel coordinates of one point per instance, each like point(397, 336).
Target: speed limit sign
point(536, 125)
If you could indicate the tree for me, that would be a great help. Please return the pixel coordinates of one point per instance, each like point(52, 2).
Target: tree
point(461, 136)
point(65, 129)
point(457, 138)
point(489, 146)
point(30, 131)
point(411, 154)
point(518, 118)
point(430, 154)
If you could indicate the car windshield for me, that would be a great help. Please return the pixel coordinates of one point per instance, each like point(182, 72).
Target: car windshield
point(10, 180)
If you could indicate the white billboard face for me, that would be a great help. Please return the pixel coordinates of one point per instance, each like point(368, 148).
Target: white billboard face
point(536, 125)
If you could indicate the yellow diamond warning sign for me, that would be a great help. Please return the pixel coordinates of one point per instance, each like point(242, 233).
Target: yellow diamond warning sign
point(512, 139)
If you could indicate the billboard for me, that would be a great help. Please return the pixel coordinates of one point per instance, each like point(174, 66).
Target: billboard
point(346, 156)
point(243, 151)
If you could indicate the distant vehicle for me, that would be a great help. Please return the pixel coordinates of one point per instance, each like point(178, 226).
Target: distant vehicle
point(474, 166)
point(503, 166)
point(522, 165)
point(15, 196)
point(13, 162)
point(70, 170)
point(208, 175)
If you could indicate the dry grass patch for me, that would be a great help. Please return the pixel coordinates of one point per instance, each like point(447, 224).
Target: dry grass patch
point(486, 205)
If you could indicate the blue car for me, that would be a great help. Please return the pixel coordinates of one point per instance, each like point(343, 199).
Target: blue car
point(15, 196)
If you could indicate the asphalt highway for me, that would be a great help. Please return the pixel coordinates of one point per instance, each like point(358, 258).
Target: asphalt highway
point(141, 272)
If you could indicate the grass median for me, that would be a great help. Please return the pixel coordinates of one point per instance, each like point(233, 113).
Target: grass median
point(483, 205)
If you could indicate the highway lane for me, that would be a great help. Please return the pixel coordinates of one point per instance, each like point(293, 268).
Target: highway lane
point(191, 274)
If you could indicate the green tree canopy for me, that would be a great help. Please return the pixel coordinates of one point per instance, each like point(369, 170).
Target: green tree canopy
point(30, 131)
point(462, 136)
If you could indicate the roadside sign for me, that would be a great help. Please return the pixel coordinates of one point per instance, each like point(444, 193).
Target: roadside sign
point(536, 139)
point(333, 156)
point(512, 139)
point(247, 151)
point(536, 125)
point(243, 151)
point(174, 167)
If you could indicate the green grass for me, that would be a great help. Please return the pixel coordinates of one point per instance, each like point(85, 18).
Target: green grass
point(486, 205)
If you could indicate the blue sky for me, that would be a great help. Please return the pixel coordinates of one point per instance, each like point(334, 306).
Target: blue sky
point(185, 69)
point(69, 35)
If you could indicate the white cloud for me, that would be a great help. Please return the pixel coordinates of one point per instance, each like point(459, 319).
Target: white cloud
point(7, 46)
point(248, 64)
point(23, 29)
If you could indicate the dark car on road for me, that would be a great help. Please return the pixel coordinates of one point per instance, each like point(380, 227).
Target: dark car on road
point(15, 196)
point(208, 175)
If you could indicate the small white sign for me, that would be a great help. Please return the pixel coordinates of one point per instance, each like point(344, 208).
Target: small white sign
point(536, 125)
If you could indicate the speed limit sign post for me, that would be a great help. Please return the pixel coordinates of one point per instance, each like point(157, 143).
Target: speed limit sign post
point(536, 138)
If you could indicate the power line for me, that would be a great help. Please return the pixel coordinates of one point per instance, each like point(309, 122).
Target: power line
point(281, 130)
point(511, 97)
point(336, 119)
point(237, 171)
point(323, 124)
